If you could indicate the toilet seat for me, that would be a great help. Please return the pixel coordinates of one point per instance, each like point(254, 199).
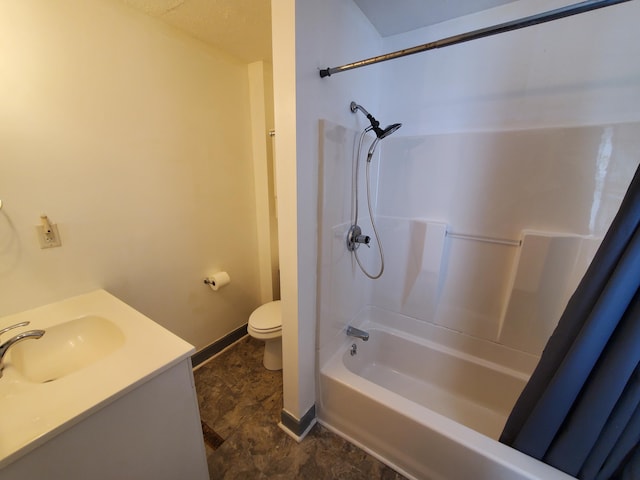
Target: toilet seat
point(267, 318)
point(265, 323)
point(270, 330)
point(261, 335)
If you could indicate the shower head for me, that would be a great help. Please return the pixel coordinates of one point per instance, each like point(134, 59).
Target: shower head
point(375, 124)
point(389, 130)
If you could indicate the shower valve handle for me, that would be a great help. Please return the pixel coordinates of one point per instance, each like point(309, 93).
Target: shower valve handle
point(355, 238)
point(366, 239)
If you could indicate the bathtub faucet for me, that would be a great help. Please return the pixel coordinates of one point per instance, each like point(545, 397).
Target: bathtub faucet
point(4, 348)
point(356, 332)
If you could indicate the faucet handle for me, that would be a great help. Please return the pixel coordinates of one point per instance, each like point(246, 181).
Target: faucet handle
point(11, 327)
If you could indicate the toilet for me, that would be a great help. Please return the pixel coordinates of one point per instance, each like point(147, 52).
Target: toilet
point(265, 323)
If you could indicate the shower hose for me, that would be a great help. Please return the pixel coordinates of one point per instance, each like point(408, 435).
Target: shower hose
point(355, 205)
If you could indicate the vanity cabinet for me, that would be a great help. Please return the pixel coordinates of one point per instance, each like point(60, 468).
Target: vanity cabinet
point(152, 432)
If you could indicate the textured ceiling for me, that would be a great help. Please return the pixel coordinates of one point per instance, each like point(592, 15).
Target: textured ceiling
point(239, 27)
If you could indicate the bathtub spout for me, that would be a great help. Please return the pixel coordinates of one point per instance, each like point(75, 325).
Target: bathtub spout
point(355, 332)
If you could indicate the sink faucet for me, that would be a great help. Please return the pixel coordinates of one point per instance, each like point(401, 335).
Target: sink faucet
point(356, 332)
point(11, 327)
point(35, 334)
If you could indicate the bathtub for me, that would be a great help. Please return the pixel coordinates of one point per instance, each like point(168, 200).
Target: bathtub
point(428, 401)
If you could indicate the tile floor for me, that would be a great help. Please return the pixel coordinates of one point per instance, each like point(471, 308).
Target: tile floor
point(240, 404)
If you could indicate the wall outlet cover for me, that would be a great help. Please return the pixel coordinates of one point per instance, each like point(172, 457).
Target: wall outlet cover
point(49, 240)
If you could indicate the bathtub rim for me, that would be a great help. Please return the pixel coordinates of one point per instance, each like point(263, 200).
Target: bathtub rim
point(471, 440)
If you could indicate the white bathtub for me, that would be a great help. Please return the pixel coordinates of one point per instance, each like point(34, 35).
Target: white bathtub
point(429, 410)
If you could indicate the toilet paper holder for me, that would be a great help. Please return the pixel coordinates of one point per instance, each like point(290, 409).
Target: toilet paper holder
point(217, 280)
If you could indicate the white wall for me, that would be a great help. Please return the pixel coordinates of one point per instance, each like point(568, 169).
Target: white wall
point(324, 33)
point(261, 100)
point(580, 70)
point(283, 30)
point(135, 140)
point(556, 190)
point(457, 159)
point(343, 290)
point(514, 81)
point(529, 130)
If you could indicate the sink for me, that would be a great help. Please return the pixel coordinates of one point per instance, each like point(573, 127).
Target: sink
point(95, 352)
point(66, 348)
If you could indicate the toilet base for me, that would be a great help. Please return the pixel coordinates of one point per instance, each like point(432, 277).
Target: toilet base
point(272, 359)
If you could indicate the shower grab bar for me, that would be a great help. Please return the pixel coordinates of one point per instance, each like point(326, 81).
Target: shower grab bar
point(481, 238)
point(544, 17)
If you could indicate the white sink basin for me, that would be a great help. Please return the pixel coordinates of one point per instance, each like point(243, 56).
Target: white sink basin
point(66, 348)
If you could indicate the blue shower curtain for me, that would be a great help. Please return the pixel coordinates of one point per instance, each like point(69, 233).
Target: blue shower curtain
point(580, 411)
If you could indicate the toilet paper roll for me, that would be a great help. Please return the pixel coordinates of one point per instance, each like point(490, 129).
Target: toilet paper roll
point(218, 280)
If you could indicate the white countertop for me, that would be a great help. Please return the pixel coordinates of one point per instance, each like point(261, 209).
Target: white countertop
point(32, 413)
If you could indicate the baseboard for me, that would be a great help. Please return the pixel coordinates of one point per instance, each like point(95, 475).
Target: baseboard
point(209, 351)
point(298, 428)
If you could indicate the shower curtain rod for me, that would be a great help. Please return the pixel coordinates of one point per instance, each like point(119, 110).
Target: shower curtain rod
point(544, 17)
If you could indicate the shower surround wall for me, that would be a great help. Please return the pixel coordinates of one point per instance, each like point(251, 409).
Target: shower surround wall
point(515, 85)
point(500, 138)
point(517, 80)
point(555, 190)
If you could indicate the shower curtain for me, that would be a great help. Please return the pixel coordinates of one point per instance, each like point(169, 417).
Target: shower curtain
point(580, 411)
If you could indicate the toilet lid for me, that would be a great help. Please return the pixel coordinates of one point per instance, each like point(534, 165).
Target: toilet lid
point(267, 317)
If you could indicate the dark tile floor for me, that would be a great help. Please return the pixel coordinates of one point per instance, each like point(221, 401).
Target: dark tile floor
point(240, 403)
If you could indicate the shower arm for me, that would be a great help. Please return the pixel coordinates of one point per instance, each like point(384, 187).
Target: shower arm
point(355, 107)
point(375, 124)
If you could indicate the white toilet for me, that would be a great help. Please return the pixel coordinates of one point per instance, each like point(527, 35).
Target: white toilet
point(265, 323)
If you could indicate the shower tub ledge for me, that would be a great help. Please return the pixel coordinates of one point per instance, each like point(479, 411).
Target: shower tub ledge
point(425, 409)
